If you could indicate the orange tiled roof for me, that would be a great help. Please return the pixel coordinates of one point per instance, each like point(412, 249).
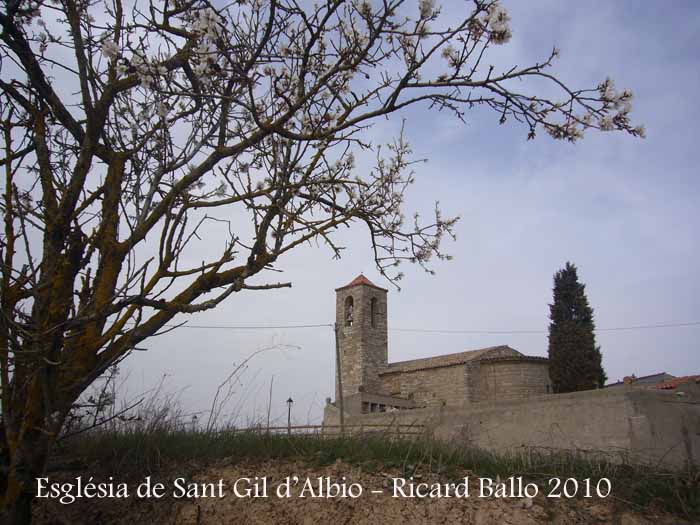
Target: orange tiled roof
point(676, 382)
point(360, 279)
point(644, 379)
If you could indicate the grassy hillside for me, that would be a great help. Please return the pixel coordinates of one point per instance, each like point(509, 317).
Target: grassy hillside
point(165, 454)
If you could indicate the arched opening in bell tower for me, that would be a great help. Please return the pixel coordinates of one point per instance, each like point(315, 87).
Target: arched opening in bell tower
point(349, 307)
point(373, 307)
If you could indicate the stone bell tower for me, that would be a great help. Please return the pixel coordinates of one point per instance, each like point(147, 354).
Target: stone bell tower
point(360, 314)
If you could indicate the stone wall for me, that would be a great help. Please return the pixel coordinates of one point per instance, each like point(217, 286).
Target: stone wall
point(473, 381)
point(622, 424)
point(431, 383)
point(430, 387)
point(364, 402)
point(512, 379)
point(501, 378)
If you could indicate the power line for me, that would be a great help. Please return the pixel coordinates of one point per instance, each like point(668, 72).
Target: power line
point(648, 326)
point(486, 332)
point(429, 330)
point(259, 327)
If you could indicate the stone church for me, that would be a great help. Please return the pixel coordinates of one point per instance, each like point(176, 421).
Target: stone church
point(371, 384)
point(497, 399)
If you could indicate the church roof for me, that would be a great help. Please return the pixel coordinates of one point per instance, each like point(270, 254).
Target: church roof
point(519, 358)
point(452, 359)
point(360, 279)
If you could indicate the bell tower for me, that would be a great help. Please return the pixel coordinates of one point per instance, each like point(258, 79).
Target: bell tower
point(361, 318)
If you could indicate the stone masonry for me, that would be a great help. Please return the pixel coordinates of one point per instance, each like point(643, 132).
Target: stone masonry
point(360, 312)
point(499, 399)
point(497, 372)
point(622, 425)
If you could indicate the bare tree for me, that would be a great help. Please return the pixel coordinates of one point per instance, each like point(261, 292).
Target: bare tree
point(132, 130)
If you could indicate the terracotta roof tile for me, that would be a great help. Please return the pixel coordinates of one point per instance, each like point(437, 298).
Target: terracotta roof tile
point(661, 376)
point(360, 279)
point(674, 383)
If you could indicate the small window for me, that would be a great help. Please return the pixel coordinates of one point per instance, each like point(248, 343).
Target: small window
point(349, 307)
point(373, 312)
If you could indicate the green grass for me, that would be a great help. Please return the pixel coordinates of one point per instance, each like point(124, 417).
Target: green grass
point(136, 454)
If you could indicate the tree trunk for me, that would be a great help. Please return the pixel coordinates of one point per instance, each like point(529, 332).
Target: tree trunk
point(27, 464)
point(17, 510)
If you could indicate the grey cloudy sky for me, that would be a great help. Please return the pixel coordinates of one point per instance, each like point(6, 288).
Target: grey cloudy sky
point(624, 210)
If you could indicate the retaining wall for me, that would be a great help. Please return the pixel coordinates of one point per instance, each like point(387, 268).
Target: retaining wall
point(641, 426)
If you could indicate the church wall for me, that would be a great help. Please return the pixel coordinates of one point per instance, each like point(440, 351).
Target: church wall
point(473, 381)
point(430, 387)
point(504, 380)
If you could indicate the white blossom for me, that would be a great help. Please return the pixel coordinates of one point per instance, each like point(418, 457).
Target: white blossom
point(122, 69)
point(569, 131)
point(574, 132)
point(497, 20)
point(606, 123)
point(162, 109)
point(448, 52)
point(110, 49)
point(609, 94)
point(54, 418)
point(426, 8)
point(607, 90)
point(623, 103)
point(623, 106)
point(621, 100)
point(207, 22)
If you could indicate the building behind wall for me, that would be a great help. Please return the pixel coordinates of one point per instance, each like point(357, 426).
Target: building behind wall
point(371, 384)
point(499, 399)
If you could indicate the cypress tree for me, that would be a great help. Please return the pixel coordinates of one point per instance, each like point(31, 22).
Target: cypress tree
point(575, 362)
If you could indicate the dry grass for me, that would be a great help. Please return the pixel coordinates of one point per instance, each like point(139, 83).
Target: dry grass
point(158, 451)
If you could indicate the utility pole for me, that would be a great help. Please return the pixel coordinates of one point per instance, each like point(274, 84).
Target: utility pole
point(269, 404)
point(340, 381)
point(289, 416)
